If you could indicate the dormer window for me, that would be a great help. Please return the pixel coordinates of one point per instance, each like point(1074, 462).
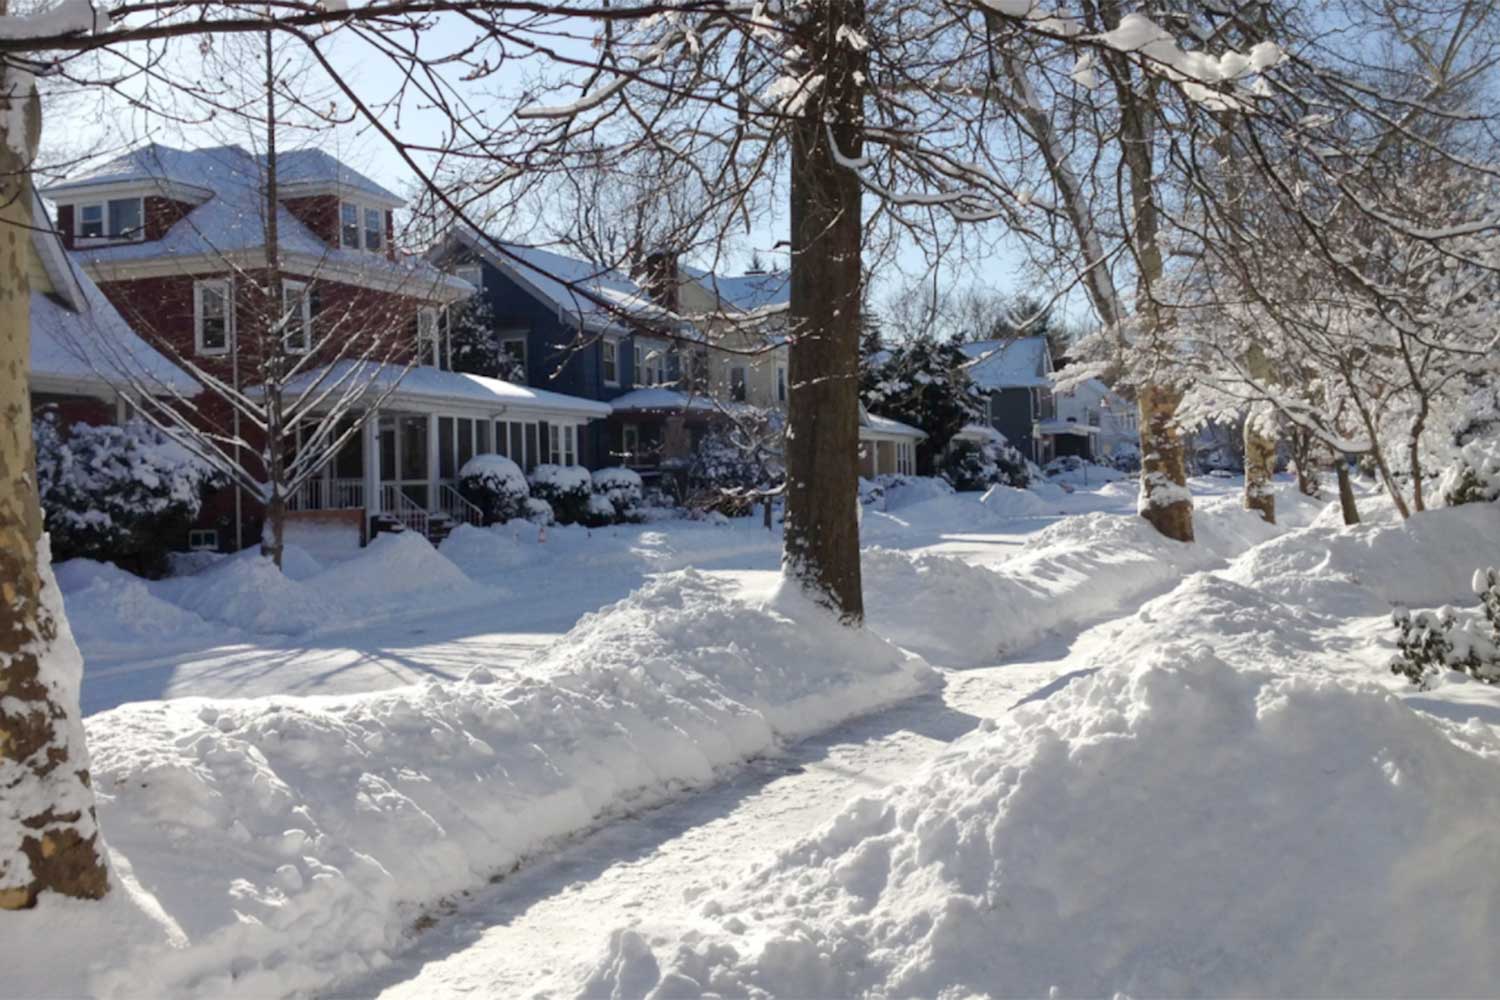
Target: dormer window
point(361, 227)
point(115, 219)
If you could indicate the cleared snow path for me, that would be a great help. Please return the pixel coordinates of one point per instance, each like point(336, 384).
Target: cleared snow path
point(538, 932)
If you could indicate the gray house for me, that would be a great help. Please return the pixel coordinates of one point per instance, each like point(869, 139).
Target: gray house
point(1016, 378)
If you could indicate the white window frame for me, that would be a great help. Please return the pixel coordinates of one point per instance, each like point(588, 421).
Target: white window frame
point(518, 338)
point(378, 244)
point(226, 292)
point(744, 375)
point(637, 366)
point(570, 451)
point(431, 339)
point(473, 274)
point(201, 539)
point(610, 357)
point(136, 236)
point(299, 288)
point(629, 454)
point(362, 232)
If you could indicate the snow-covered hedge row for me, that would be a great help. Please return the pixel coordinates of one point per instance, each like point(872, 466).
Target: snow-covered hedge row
point(268, 847)
point(1212, 811)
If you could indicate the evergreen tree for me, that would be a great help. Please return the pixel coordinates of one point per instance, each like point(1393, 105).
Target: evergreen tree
point(922, 382)
point(475, 343)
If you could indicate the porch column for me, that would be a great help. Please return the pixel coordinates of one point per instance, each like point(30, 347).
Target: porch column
point(371, 445)
point(433, 471)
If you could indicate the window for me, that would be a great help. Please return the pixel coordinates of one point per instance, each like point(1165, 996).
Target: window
point(639, 373)
point(90, 221)
point(427, 335)
point(737, 384)
point(200, 539)
point(516, 348)
point(611, 362)
point(374, 228)
point(211, 316)
point(361, 227)
point(447, 467)
point(296, 312)
point(472, 273)
point(630, 440)
point(570, 452)
point(555, 433)
point(349, 225)
point(118, 218)
point(781, 383)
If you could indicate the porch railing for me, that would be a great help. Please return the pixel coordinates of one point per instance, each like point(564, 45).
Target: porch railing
point(452, 503)
point(398, 505)
point(328, 494)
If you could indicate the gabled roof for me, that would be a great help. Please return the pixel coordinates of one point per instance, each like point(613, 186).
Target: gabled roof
point(584, 294)
point(226, 186)
point(746, 293)
point(78, 336)
point(374, 379)
point(885, 425)
point(1009, 364)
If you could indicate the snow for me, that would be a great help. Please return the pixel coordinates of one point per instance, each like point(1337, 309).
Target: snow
point(392, 384)
point(288, 842)
point(657, 398)
point(498, 469)
point(562, 478)
point(1225, 795)
point(1008, 364)
point(746, 293)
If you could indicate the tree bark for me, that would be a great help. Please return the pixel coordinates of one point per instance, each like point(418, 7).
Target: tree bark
point(48, 836)
point(1346, 490)
point(1165, 500)
point(272, 329)
point(821, 540)
point(1260, 466)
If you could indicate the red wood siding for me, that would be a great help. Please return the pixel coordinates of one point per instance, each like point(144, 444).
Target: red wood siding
point(319, 213)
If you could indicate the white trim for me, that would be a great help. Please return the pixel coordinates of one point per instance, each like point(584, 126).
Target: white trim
point(145, 187)
point(206, 539)
point(432, 336)
point(363, 206)
point(437, 286)
point(226, 290)
point(105, 237)
point(522, 338)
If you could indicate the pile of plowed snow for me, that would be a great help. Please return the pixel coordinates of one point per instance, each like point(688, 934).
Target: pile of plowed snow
point(1210, 811)
point(958, 614)
point(268, 847)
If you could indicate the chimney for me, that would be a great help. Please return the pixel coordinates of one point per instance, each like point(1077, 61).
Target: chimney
point(661, 279)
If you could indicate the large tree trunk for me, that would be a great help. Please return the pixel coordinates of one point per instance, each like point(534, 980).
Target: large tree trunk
point(821, 541)
point(48, 836)
point(1165, 500)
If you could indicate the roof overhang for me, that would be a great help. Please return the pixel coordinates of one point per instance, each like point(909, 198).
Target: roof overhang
point(103, 189)
point(340, 190)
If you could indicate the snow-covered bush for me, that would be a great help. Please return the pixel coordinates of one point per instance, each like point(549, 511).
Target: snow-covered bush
point(971, 467)
point(1474, 476)
point(623, 489)
point(538, 511)
point(125, 494)
point(495, 485)
point(566, 488)
point(733, 466)
point(1430, 646)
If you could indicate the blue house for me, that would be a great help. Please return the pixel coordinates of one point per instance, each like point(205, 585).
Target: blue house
point(1016, 379)
point(591, 332)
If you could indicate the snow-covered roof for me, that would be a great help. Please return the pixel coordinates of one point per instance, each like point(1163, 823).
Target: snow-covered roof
point(1008, 364)
point(885, 425)
point(980, 432)
point(1065, 427)
point(661, 398)
point(226, 185)
point(746, 292)
point(435, 385)
point(78, 336)
point(595, 298)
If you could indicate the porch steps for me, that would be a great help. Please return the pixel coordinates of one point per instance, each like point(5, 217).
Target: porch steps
point(439, 526)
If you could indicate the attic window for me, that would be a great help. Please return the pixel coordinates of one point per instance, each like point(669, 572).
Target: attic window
point(116, 219)
point(361, 227)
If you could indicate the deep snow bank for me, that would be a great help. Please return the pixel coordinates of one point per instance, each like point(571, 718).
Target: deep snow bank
point(1209, 808)
point(281, 843)
point(1180, 828)
point(955, 613)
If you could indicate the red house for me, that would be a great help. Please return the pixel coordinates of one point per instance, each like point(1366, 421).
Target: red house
point(176, 239)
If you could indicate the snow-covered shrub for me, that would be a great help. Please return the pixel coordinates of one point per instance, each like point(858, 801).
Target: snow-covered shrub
point(732, 467)
point(598, 513)
point(125, 494)
point(566, 488)
point(538, 511)
point(1430, 646)
point(623, 489)
point(1474, 477)
point(971, 467)
point(495, 485)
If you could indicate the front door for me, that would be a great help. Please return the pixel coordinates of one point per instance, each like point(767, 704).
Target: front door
point(403, 454)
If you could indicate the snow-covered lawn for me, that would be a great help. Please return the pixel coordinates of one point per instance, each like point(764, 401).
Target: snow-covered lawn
point(424, 720)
